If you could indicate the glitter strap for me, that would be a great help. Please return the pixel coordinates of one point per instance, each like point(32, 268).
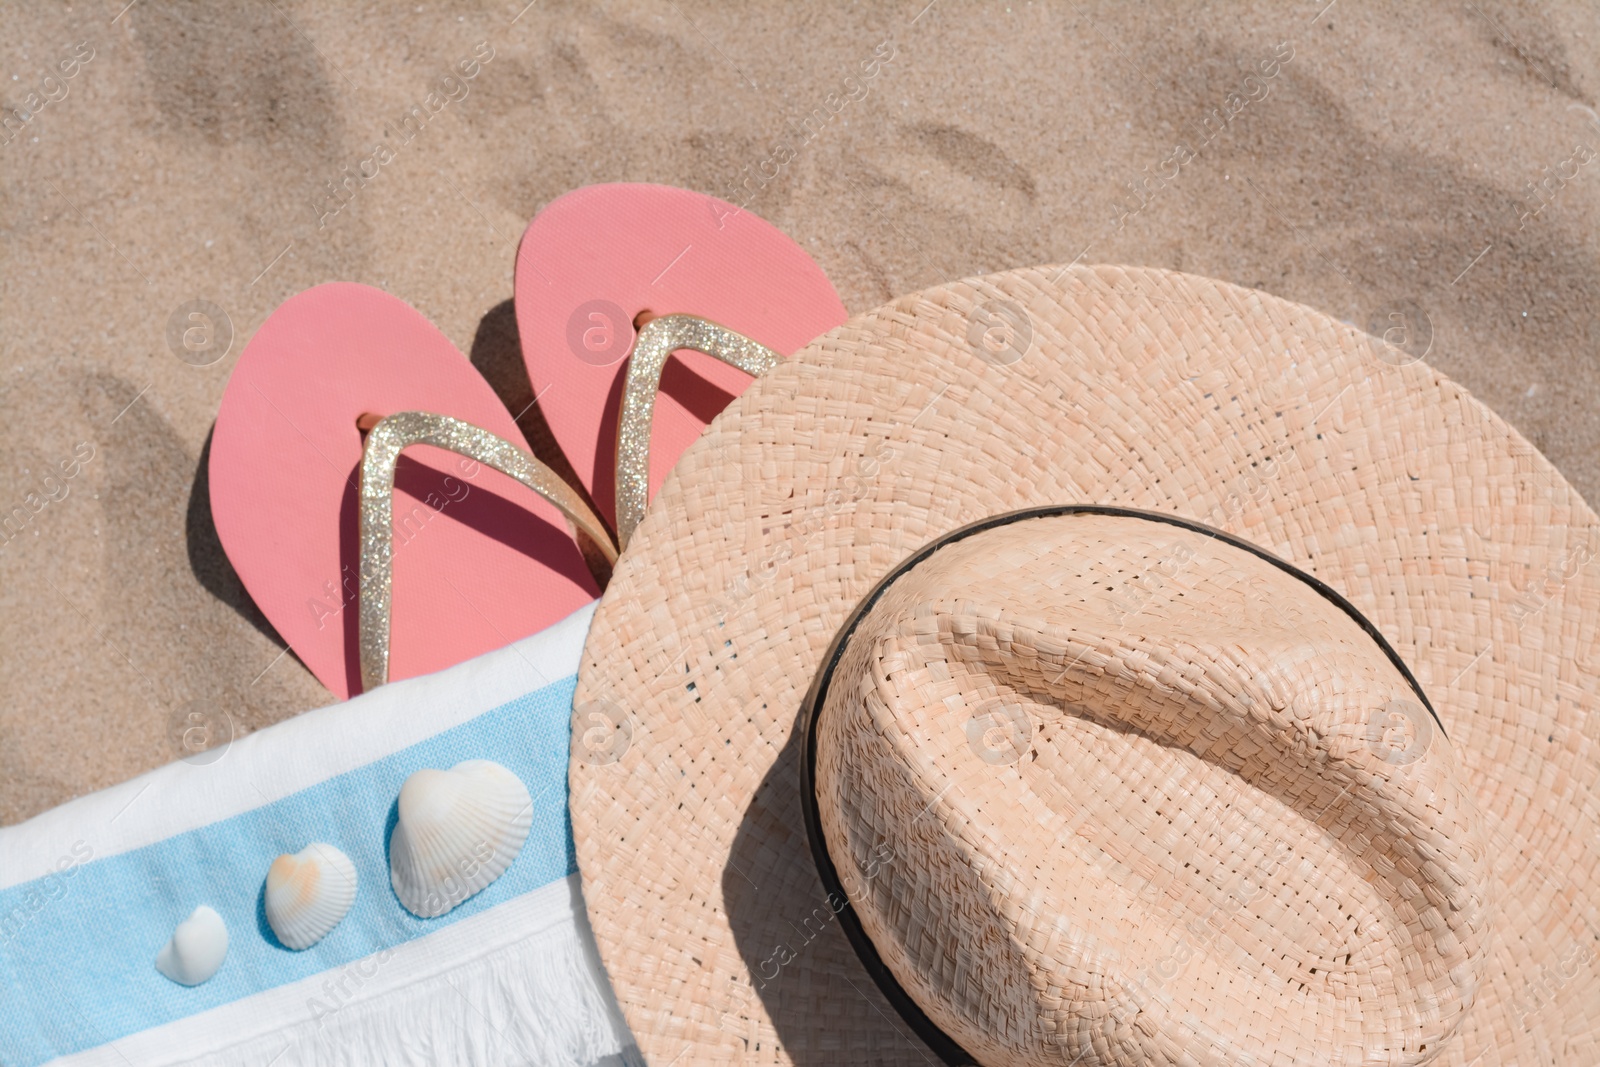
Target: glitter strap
point(390, 436)
point(385, 442)
point(658, 339)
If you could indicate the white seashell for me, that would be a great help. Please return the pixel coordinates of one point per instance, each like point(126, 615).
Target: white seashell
point(196, 949)
point(458, 831)
point(308, 893)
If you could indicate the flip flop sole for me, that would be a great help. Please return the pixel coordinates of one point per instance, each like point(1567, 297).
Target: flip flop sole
point(594, 258)
point(479, 560)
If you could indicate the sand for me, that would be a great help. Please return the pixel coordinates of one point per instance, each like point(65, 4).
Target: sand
point(1361, 158)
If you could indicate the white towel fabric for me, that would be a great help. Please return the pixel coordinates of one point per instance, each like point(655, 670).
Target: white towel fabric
point(517, 984)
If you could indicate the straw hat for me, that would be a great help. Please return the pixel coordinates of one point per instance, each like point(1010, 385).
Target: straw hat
point(1028, 594)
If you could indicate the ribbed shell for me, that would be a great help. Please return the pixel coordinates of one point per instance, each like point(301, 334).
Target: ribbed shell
point(458, 831)
point(308, 893)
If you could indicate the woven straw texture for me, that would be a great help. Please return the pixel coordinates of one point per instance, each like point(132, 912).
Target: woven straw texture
point(1144, 389)
point(1083, 741)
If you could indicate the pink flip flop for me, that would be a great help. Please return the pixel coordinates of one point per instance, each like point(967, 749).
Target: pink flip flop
point(479, 560)
point(596, 258)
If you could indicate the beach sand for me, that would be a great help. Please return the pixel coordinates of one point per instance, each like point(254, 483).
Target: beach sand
point(1383, 166)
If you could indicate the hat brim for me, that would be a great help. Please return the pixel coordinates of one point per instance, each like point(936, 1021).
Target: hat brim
point(1138, 388)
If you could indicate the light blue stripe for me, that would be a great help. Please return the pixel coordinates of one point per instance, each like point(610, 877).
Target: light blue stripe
point(81, 970)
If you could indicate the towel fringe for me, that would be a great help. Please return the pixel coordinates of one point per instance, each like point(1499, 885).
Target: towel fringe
point(539, 1002)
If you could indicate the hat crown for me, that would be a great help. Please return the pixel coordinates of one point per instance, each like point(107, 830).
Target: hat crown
point(1101, 786)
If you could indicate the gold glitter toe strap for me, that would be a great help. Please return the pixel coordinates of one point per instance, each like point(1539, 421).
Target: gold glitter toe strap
point(658, 339)
point(387, 439)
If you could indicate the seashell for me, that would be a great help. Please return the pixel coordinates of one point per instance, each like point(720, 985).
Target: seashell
point(196, 949)
point(458, 831)
point(308, 893)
